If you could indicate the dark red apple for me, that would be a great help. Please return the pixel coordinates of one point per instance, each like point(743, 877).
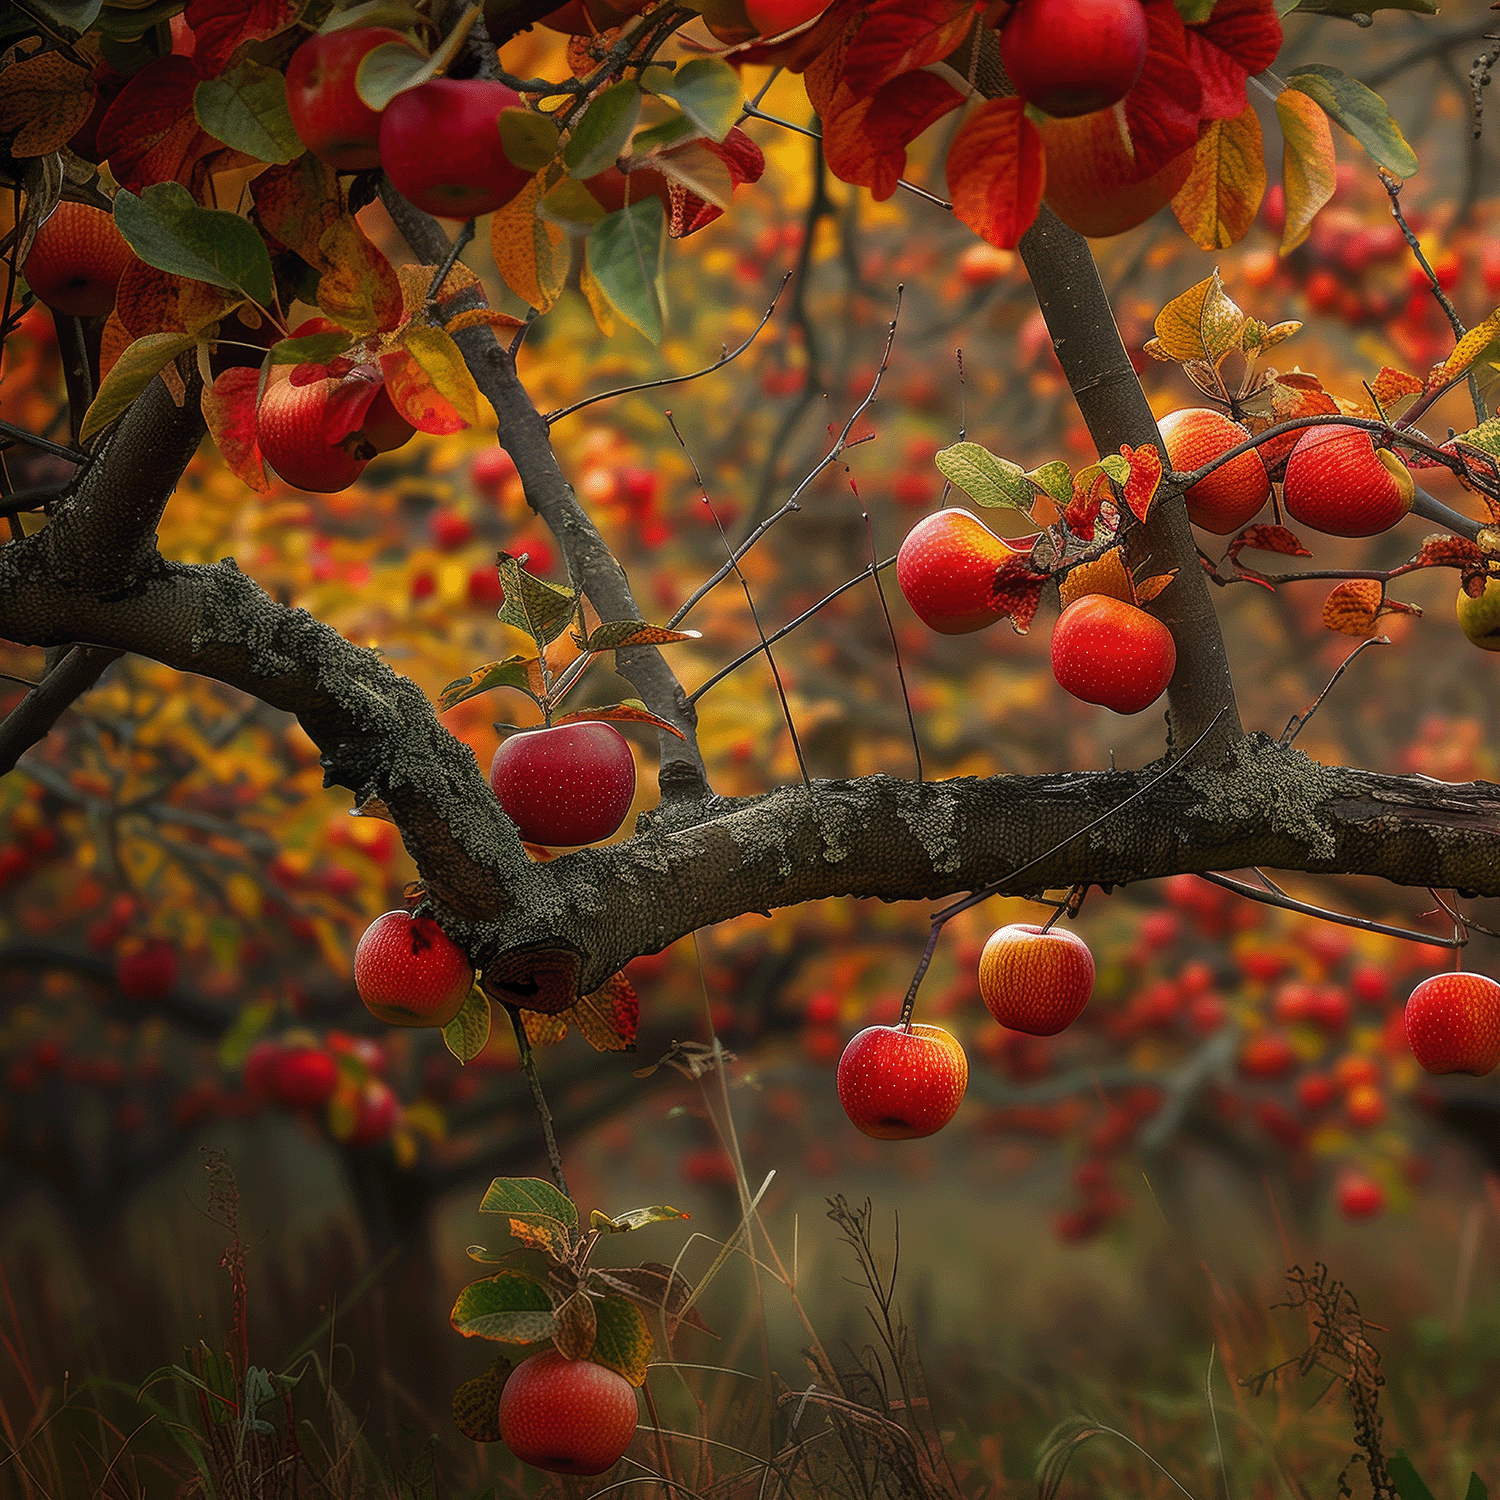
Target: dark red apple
point(571, 784)
point(335, 124)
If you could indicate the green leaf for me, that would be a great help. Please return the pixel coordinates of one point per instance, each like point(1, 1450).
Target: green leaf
point(314, 349)
point(520, 672)
point(600, 136)
point(530, 140)
point(135, 369)
point(635, 1218)
point(476, 1403)
point(510, 1307)
point(543, 610)
point(1409, 1484)
point(707, 90)
point(626, 257)
point(1116, 466)
point(168, 230)
point(467, 1034)
point(528, 1195)
point(68, 19)
point(397, 14)
point(664, 135)
point(700, 172)
point(245, 107)
point(1477, 1489)
point(623, 1342)
point(571, 206)
point(1193, 12)
point(655, 1288)
point(1360, 111)
point(985, 479)
point(392, 67)
point(1054, 480)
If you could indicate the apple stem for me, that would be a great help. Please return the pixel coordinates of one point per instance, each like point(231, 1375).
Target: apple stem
point(909, 1003)
point(539, 1099)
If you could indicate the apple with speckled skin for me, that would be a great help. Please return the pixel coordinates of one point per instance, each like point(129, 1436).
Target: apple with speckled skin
point(1113, 653)
point(1225, 500)
point(76, 260)
point(946, 570)
point(409, 972)
point(1338, 482)
point(1453, 1023)
point(897, 1083)
point(569, 1416)
point(1035, 980)
point(568, 785)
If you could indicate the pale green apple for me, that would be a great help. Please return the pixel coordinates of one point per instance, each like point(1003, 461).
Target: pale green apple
point(1479, 619)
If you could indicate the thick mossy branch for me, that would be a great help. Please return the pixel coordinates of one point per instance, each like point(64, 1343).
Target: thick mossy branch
point(898, 840)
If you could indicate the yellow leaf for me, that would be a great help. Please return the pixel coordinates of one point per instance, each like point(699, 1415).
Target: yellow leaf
point(444, 366)
point(1218, 202)
point(1469, 346)
point(604, 314)
point(1308, 170)
point(532, 254)
point(1200, 323)
point(132, 372)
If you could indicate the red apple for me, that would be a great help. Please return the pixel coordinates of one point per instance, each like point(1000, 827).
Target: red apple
point(1035, 981)
point(896, 1082)
point(147, 972)
point(1072, 57)
point(1359, 1196)
point(409, 972)
point(374, 1114)
point(383, 427)
point(335, 124)
point(76, 260)
point(440, 146)
point(1107, 651)
point(1453, 1023)
point(946, 569)
point(571, 784)
point(302, 1077)
point(259, 1070)
point(1225, 500)
point(290, 429)
point(1340, 483)
point(1267, 1056)
point(569, 1416)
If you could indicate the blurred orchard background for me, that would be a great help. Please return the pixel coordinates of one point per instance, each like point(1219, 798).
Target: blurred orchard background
point(1108, 1207)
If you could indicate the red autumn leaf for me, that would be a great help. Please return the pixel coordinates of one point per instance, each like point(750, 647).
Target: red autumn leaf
point(825, 71)
point(296, 202)
point(746, 163)
point(1241, 37)
point(996, 172)
point(865, 140)
point(1268, 539)
point(609, 1016)
point(899, 37)
point(150, 133)
point(220, 27)
point(1144, 479)
point(1164, 108)
point(1017, 590)
point(229, 408)
point(1083, 509)
point(147, 300)
point(415, 397)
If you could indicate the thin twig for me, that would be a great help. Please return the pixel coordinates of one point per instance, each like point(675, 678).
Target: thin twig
point(31, 440)
point(786, 707)
point(890, 625)
point(1298, 722)
point(528, 1066)
point(728, 357)
point(1307, 909)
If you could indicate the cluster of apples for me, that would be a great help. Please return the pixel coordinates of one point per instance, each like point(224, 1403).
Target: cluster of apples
point(1336, 481)
point(906, 1081)
point(1105, 649)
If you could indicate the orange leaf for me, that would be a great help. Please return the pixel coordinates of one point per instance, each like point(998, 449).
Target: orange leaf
point(1148, 588)
point(359, 288)
point(415, 397)
point(1268, 539)
point(415, 281)
point(996, 172)
point(1217, 204)
point(631, 711)
point(481, 315)
point(1354, 606)
point(532, 254)
point(1144, 480)
point(1309, 172)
